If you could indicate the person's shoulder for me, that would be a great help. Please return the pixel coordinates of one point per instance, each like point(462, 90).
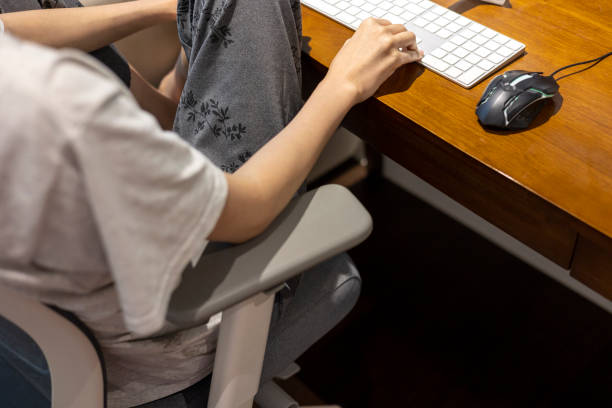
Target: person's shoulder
point(65, 86)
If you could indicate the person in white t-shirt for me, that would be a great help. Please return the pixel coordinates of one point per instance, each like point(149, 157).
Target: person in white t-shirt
point(102, 210)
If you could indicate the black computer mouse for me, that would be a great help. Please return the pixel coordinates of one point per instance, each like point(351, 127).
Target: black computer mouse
point(512, 100)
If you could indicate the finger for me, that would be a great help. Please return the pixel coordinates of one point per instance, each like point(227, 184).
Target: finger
point(404, 40)
point(406, 57)
point(395, 28)
point(381, 21)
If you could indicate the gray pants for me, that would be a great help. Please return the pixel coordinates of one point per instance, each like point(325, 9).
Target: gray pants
point(325, 294)
point(244, 82)
point(243, 87)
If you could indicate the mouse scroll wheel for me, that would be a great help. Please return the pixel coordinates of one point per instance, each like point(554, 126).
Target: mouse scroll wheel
point(487, 95)
point(520, 102)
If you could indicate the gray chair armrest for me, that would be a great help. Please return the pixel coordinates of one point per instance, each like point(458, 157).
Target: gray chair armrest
point(313, 228)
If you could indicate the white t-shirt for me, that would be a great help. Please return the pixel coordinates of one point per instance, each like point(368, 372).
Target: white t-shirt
point(101, 211)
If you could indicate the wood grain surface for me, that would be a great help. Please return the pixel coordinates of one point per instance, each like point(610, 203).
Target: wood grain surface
point(545, 185)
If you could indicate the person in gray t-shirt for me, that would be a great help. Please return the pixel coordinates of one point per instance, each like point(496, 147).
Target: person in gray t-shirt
point(91, 156)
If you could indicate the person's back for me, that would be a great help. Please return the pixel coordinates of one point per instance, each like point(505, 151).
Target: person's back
point(66, 121)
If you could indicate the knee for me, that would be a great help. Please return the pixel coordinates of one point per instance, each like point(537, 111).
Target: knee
point(348, 287)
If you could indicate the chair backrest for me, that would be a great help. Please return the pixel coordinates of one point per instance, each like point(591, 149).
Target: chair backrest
point(76, 372)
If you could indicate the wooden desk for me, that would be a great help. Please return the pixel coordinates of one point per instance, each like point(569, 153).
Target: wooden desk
point(549, 186)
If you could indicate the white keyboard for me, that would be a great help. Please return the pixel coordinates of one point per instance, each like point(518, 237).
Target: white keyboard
point(455, 46)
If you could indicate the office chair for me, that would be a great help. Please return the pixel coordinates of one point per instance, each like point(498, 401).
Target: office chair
point(241, 281)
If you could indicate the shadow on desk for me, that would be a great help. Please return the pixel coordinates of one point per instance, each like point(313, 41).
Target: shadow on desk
point(401, 80)
point(461, 6)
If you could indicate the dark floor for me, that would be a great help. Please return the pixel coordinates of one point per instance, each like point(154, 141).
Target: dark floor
point(447, 319)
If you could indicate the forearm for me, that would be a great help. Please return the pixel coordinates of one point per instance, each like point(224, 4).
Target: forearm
point(152, 100)
point(272, 176)
point(263, 186)
point(88, 28)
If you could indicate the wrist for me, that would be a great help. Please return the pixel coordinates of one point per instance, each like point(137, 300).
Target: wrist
point(343, 92)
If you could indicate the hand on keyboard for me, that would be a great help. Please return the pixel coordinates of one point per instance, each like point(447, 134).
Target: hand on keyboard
point(371, 55)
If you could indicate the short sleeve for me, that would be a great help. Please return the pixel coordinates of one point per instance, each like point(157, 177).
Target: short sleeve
point(154, 197)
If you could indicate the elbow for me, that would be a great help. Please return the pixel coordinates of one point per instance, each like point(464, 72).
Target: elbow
point(250, 230)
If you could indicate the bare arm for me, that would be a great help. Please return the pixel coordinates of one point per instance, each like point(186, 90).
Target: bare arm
point(173, 83)
point(88, 28)
point(152, 100)
point(263, 186)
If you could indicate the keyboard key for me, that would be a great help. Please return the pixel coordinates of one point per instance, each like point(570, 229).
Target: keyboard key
point(438, 53)
point(462, 21)
point(477, 27)
point(396, 10)
point(408, 16)
point(385, 5)
point(353, 10)
point(358, 3)
point(419, 22)
point(453, 27)
point(504, 52)
point(473, 59)
point(444, 33)
point(492, 45)
point(429, 16)
point(453, 72)
point(345, 17)
point(514, 45)
point(463, 65)
point(441, 21)
point(489, 33)
point(458, 40)
point(496, 58)
point(502, 39)
point(471, 75)
point(413, 8)
point(368, 7)
point(483, 52)
point(378, 12)
point(448, 46)
point(470, 46)
point(362, 15)
point(393, 18)
point(479, 39)
point(438, 10)
point(450, 59)
point(468, 34)
point(485, 64)
point(432, 28)
point(426, 4)
point(461, 52)
point(435, 63)
point(451, 15)
point(324, 7)
point(343, 5)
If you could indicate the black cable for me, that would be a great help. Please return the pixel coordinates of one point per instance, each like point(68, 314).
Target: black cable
point(595, 60)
